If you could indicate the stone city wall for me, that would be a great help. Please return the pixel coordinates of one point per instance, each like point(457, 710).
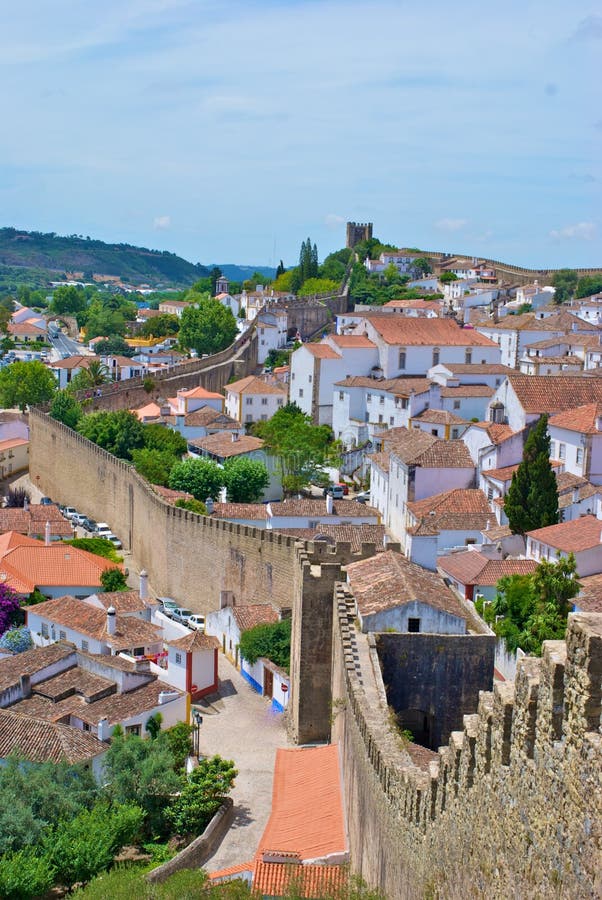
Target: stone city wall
point(511, 807)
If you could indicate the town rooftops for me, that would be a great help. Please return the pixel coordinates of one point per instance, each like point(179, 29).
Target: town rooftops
point(223, 444)
point(40, 741)
point(74, 362)
point(574, 536)
point(388, 580)
point(586, 419)
point(252, 384)
point(439, 417)
point(407, 331)
point(555, 393)
point(207, 416)
point(26, 563)
point(200, 393)
point(472, 567)
point(467, 390)
point(358, 341)
point(345, 509)
point(400, 387)
point(278, 879)
point(126, 602)
point(169, 495)
point(32, 521)
point(256, 511)
point(590, 596)
point(477, 368)
point(356, 535)
point(196, 640)
point(84, 618)
point(496, 433)
point(251, 614)
point(322, 351)
point(418, 448)
point(456, 510)
point(31, 662)
point(307, 818)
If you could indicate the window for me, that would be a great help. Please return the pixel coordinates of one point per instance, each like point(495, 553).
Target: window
point(341, 395)
point(436, 356)
point(300, 392)
point(86, 727)
point(264, 401)
point(309, 378)
point(85, 645)
point(454, 434)
point(132, 729)
point(579, 459)
point(368, 398)
point(469, 541)
point(138, 651)
point(381, 399)
point(292, 376)
point(414, 625)
point(248, 417)
point(468, 357)
point(313, 523)
point(249, 401)
point(457, 404)
point(435, 432)
point(264, 417)
point(279, 401)
point(561, 451)
point(62, 635)
point(391, 420)
point(44, 629)
point(402, 359)
point(178, 659)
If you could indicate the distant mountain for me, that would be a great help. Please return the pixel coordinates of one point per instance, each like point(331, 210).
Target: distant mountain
point(241, 273)
point(57, 255)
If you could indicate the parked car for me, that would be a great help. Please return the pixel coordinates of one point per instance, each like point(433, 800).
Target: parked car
point(78, 519)
point(181, 614)
point(114, 540)
point(363, 497)
point(336, 490)
point(197, 622)
point(102, 530)
point(168, 605)
point(46, 501)
point(69, 512)
point(89, 524)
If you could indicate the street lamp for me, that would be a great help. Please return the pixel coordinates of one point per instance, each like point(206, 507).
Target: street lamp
point(198, 721)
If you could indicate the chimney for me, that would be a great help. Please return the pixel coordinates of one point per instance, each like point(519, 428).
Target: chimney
point(103, 729)
point(143, 585)
point(209, 505)
point(26, 503)
point(25, 686)
point(235, 436)
point(47, 534)
point(111, 623)
point(329, 504)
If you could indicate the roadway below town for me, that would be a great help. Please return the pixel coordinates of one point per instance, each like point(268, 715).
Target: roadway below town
point(64, 346)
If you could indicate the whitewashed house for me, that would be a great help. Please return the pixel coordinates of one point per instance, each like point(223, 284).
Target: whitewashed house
point(522, 399)
point(581, 537)
point(254, 399)
point(443, 522)
point(576, 440)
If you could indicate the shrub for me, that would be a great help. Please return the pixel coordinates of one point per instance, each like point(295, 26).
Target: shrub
point(195, 506)
point(201, 796)
point(16, 640)
point(97, 545)
point(113, 580)
point(272, 641)
point(25, 874)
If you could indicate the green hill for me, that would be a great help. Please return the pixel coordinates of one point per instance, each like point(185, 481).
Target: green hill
point(37, 252)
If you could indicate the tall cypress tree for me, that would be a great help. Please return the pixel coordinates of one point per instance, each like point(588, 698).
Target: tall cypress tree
point(314, 261)
point(532, 499)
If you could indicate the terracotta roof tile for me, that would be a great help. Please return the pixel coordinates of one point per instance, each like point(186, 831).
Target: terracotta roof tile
point(30, 662)
point(439, 417)
point(200, 393)
point(478, 369)
point(11, 443)
point(472, 567)
point(307, 805)
point(30, 563)
point(407, 331)
point(346, 509)
point(41, 741)
point(256, 511)
point(196, 640)
point(381, 461)
point(130, 631)
point(223, 446)
point(467, 390)
point(252, 614)
point(400, 387)
point(278, 879)
point(455, 510)
point(495, 432)
point(555, 393)
point(356, 535)
point(352, 340)
point(252, 384)
point(170, 495)
point(585, 419)
point(388, 580)
point(571, 537)
point(322, 351)
point(590, 597)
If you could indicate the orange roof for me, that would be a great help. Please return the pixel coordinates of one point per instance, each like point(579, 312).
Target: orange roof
point(277, 879)
point(496, 433)
point(584, 419)
point(555, 393)
point(26, 563)
point(223, 446)
point(471, 567)
point(352, 340)
point(10, 443)
point(200, 392)
point(430, 332)
point(570, 537)
point(307, 805)
point(322, 351)
point(150, 411)
point(254, 385)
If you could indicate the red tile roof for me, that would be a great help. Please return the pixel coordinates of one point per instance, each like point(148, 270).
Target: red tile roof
point(196, 640)
point(585, 419)
point(84, 618)
point(201, 393)
point(471, 567)
point(455, 510)
point(439, 417)
point(356, 535)
point(555, 393)
point(407, 331)
point(389, 579)
point(322, 351)
point(254, 385)
point(279, 879)
point(223, 446)
point(352, 340)
point(26, 563)
point(467, 390)
point(39, 741)
point(590, 597)
point(496, 433)
point(307, 805)
point(571, 537)
point(345, 509)
point(400, 387)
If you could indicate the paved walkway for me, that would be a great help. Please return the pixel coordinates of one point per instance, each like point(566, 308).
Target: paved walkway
point(241, 725)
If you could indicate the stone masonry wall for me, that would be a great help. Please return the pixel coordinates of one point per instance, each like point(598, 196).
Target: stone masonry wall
point(511, 807)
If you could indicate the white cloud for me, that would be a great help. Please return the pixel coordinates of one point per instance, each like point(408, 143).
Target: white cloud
point(451, 224)
point(583, 231)
point(161, 223)
point(333, 221)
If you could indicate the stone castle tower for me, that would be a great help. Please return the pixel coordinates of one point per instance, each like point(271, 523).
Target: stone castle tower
point(358, 231)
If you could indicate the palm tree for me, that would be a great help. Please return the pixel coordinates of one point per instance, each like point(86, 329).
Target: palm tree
point(94, 374)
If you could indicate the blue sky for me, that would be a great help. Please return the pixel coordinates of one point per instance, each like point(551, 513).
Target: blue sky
point(229, 131)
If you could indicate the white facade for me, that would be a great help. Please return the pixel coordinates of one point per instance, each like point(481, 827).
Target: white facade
point(358, 411)
point(431, 620)
point(580, 453)
point(488, 454)
point(255, 405)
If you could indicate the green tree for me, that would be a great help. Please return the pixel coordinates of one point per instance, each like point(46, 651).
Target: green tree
point(318, 286)
point(280, 270)
point(24, 384)
point(272, 641)
point(532, 499)
point(153, 725)
point(161, 326)
point(159, 437)
point(68, 300)
point(113, 580)
point(200, 477)
point(202, 795)
point(589, 285)
point(422, 267)
point(195, 506)
point(142, 772)
point(208, 328)
point(115, 345)
point(178, 740)
point(66, 409)
point(119, 432)
point(25, 874)
point(302, 448)
point(246, 479)
point(216, 273)
point(446, 277)
point(154, 465)
point(93, 375)
point(284, 282)
point(565, 282)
